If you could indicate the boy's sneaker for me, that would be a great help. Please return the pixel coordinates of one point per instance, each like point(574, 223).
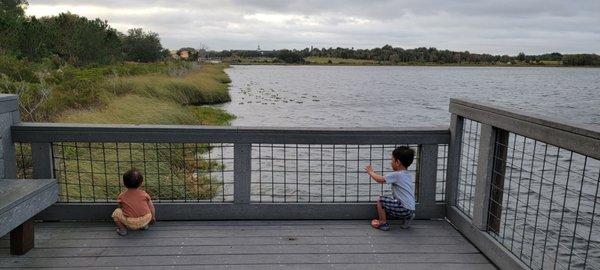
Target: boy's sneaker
point(384, 227)
point(406, 221)
point(121, 232)
point(144, 228)
point(380, 226)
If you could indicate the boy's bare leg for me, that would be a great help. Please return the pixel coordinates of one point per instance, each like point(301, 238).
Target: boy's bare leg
point(381, 213)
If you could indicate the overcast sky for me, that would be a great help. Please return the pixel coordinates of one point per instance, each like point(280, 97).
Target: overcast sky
point(493, 26)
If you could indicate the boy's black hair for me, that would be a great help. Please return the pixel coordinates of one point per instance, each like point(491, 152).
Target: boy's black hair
point(405, 155)
point(132, 178)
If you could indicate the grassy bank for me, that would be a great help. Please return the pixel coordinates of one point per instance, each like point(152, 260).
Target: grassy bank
point(173, 171)
point(159, 93)
point(159, 98)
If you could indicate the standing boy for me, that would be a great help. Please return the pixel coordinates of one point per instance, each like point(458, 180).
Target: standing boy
point(402, 203)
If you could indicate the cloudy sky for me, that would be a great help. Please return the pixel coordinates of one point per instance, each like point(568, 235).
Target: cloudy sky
point(493, 26)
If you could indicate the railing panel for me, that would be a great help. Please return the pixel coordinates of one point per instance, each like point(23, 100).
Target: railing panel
point(24, 160)
point(468, 167)
point(299, 169)
point(543, 190)
point(191, 172)
point(550, 205)
point(323, 173)
point(442, 171)
point(90, 170)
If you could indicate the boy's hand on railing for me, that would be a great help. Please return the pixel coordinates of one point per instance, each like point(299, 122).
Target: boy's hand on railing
point(369, 168)
point(378, 178)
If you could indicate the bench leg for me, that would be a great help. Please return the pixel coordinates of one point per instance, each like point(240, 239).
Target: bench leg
point(21, 238)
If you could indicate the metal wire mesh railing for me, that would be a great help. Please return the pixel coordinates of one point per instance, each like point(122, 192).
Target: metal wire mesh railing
point(468, 166)
point(320, 173)
point(239, 171)
point(188, 172)
point(24, 161)
point(547, 214)
point(442, 170)
point(91, 172)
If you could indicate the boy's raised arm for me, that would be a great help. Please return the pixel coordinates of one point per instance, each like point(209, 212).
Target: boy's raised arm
point(378, 178)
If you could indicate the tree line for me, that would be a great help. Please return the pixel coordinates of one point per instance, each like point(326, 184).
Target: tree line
point(73, 39)
point(396, 55)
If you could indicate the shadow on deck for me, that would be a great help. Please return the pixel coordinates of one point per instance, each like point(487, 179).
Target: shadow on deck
point(316, 244)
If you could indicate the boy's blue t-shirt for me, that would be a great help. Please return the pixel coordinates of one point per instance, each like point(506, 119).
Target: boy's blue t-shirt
point(402, 187)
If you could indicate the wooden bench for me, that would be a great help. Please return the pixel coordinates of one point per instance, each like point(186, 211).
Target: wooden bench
point(20, 201)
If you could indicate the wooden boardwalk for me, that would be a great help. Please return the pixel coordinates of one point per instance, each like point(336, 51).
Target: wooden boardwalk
point(315, 244)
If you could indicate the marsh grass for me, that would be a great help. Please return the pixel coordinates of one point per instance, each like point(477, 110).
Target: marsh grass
point(91, 172)
point(133, 109)
point(205, 85)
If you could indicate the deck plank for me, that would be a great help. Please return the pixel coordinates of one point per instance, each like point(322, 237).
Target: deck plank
point(248, 245)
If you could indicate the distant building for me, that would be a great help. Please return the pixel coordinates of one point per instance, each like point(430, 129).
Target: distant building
point(184, 54)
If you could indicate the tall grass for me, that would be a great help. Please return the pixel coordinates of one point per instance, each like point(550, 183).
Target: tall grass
point(92, 171)
point(156, 94)
point(204, 86)
point(133, 109)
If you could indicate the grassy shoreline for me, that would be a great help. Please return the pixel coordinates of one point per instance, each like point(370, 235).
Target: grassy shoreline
point(91, 172)
point(162, 99)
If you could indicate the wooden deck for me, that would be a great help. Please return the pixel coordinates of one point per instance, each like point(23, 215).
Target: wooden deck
point(249, 245)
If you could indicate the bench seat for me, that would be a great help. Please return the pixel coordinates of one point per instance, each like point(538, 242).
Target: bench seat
point(20, 201)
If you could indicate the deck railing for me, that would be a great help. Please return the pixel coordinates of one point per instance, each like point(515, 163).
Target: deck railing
point(522, 188)
point(230, 172)
point(525, 188)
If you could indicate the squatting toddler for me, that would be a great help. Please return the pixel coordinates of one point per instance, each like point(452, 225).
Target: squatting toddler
point(136, 210)
point(402, 203)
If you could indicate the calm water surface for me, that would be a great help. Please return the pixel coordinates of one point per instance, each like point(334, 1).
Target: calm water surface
point(383, 96)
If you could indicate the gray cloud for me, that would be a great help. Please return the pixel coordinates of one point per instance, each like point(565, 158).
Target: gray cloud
point(510, 26)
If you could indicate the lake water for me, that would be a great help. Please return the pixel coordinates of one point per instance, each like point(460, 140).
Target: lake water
point(381, 96)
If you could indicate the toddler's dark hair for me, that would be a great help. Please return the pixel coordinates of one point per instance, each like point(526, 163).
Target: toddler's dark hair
point(405, 155)
point(132, 178)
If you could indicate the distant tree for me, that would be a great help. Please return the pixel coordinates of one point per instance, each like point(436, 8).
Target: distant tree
point(521, 56)
point(581, 59)
point(13, 7)
point(141, 46)
point(202, 50)
point(165, 54)
point(12, 16)
point(292, 57)
point(81, 41)
point(35, 43)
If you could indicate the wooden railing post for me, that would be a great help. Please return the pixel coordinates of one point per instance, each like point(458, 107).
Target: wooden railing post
point(454, 149)
point(427, 175)
point(498, 172)
point(242, 171)
point(9, 116)
point(483, 182)
point(43, 165)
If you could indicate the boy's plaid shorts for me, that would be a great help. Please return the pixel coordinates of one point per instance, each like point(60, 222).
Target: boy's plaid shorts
point(393, 207)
